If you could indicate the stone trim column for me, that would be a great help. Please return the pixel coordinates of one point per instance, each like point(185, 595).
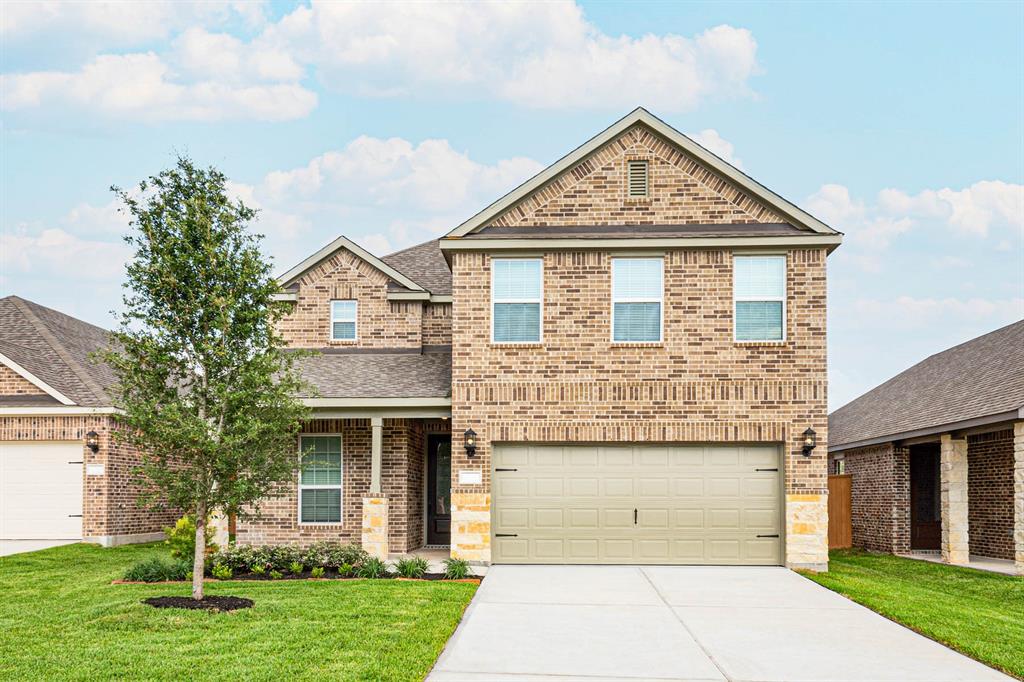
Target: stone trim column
point(807, 532)
point(1018, 496)
point(376, 454)
point(954, 500)
point(375, 526)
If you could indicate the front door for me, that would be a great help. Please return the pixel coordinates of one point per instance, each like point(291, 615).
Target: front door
point(925, 516)
point(439, 489)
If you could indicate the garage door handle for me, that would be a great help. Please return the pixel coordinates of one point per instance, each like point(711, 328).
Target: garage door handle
point(769, 536)
point(766, 469)
point(506, 469)
point(76, 462)
point(506, 535)
point(74, 516)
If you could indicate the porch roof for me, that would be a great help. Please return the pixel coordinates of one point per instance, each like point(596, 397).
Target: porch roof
point(391, 374)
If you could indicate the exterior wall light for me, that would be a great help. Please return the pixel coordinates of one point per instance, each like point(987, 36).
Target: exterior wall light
point(92, 441)
point(470, 442)
point(810, 441)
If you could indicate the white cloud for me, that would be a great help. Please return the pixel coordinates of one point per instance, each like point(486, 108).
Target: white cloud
point(970, 211)
point(717, 145)
point(907, 312)
point(56, 252)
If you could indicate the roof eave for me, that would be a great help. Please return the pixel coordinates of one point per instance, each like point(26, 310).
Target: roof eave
point(986, 420)
point(36, 381)
point(829, 241)
point(305, 266)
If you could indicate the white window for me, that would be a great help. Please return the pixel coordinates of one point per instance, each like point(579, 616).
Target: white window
point(759, 295)
point(320, 496)
point(343, 320)
point(516, 295)
point(637, 293)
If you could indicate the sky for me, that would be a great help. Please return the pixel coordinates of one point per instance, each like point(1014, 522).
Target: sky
point(901, 125)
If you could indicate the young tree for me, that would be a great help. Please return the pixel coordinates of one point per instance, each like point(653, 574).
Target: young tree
point(205, 387)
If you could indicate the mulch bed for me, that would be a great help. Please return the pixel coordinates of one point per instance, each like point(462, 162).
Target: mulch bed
point(305, 576)
point(207, 603)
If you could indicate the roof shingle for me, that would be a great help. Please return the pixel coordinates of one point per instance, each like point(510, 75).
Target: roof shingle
point(425, 265)
point(378, 375)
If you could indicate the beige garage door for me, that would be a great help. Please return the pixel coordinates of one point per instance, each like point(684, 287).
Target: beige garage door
point(641, 504)
point(40, 491)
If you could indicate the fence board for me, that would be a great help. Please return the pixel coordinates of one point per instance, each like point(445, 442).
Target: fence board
point(840, 511)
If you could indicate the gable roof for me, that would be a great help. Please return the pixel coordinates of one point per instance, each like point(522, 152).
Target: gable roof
point(343, 242)
point(641, 116)
point(981, 380)
point(52, 350)
point(425, 264)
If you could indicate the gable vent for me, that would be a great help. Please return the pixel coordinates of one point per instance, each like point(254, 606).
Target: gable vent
point(637, 178)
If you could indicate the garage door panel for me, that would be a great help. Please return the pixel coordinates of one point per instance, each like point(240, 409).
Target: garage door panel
point(638, 504)
point(40, 490)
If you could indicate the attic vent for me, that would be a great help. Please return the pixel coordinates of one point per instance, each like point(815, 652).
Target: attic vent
point(637, 178)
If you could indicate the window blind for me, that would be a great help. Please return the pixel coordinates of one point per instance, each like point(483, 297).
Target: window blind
point(759, 291)
point(636, 299)
point(516, 299)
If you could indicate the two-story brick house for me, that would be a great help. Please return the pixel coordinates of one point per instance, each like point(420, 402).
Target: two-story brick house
point(629, 349)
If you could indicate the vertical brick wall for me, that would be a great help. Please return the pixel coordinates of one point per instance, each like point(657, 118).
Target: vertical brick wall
point(437, 324)
point(880, 479)
point(12, 383)
point(990, 490)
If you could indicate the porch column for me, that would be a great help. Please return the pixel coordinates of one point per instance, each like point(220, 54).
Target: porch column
point(954, 502)
point(375, 505)
point(1018, 496)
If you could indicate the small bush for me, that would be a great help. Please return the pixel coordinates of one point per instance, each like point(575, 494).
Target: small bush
point(334, 555)
point(257, 569)
point(157, 569)
point(373, 568)
point(317, 572)
point(296, 568)
point(221, 572)
point(455, 569)
point(412, 567)
point(276, 575)
point(346, 570)
point(181, 538)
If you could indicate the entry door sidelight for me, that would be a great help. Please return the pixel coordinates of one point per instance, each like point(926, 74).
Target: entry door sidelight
point(439, 489)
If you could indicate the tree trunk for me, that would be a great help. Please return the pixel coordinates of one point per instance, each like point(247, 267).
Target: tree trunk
point(199, 558)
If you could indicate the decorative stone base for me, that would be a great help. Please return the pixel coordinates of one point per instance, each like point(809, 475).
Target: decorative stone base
point(219, 523)
point(118, 540)
point(807, 532)
point(953, 497)
point(471, 526)
point(1018, 497)
point(375, 526)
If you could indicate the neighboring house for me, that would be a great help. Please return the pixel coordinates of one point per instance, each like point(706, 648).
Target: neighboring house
point(53, 487)
point(936, 454)
point(629, 350)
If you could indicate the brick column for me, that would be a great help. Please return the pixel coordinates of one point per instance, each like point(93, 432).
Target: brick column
point(375, 526)
point(1018, 496)
point(953, 492)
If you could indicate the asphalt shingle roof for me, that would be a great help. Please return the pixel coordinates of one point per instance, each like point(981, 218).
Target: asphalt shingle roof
point(425, 265)
point(56, 348)
point(378, 375)
point(979, 378)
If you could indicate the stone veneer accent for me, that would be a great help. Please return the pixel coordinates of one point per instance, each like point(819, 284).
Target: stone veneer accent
point(1018, 495)
point(374, 536)
point(471, 526)
point(880, 496)
point(954, 500)
point(990, 490)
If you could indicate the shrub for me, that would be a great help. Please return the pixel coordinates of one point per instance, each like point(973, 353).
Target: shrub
point(181, 537)
point(296, 567)
point(373, 568)
point(455, 569)
point(257, 569)
point(346, 570)
point(221, 572)
point(156, 569)
point(412, 567)
point(276, 575)
point(334, 555)
point(317, 572)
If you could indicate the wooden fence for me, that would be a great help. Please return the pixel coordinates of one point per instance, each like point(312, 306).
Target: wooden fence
point(840, 521)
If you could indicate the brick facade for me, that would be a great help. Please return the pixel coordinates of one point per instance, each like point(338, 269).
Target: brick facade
point(12, 383)
point(990, 490)
point(437, 324)
point(880, 493)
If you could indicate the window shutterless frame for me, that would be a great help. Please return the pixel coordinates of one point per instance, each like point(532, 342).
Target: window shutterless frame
point(539, 300)
point(341, 317)
point(660, 300)
point(340, 487)
point(780, 299)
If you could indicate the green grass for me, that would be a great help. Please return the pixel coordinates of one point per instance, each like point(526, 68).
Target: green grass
point(977, 613)
point(60, 618)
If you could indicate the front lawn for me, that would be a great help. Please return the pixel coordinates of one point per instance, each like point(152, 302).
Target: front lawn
point(60, 618)
point(977, 613)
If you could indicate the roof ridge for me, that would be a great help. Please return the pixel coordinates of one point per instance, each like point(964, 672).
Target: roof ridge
point(58, 348)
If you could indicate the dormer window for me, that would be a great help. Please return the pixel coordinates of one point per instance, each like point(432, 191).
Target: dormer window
point(343, 320)
point(638, 184)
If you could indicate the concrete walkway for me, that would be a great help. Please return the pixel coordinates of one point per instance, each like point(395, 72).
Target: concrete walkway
point(593, 623)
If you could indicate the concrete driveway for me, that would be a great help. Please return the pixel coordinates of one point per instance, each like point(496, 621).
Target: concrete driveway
point(682, 623)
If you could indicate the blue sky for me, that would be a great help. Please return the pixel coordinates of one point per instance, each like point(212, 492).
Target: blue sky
point(898, 124)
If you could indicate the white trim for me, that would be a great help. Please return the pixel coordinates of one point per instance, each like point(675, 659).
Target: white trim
point(344, 242)
point(340, 487)
point(377, 402)
point(408, 296)
point(354, 320)
point(54, 411)
point(539, 301)
point(641, 115)
point(284, 296)
point(659, 301)
point(35, 381)
point(606, 244)
point(772, 299)
point(445, 298)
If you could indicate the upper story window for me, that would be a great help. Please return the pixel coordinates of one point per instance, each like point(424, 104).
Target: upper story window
point(343, 320)
point(516, 300)
point(759, 295)
point(320, 496)
point(637, 293)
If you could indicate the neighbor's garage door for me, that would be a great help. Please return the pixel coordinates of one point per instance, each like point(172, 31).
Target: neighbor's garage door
point(40, 491)
point(637, 504)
